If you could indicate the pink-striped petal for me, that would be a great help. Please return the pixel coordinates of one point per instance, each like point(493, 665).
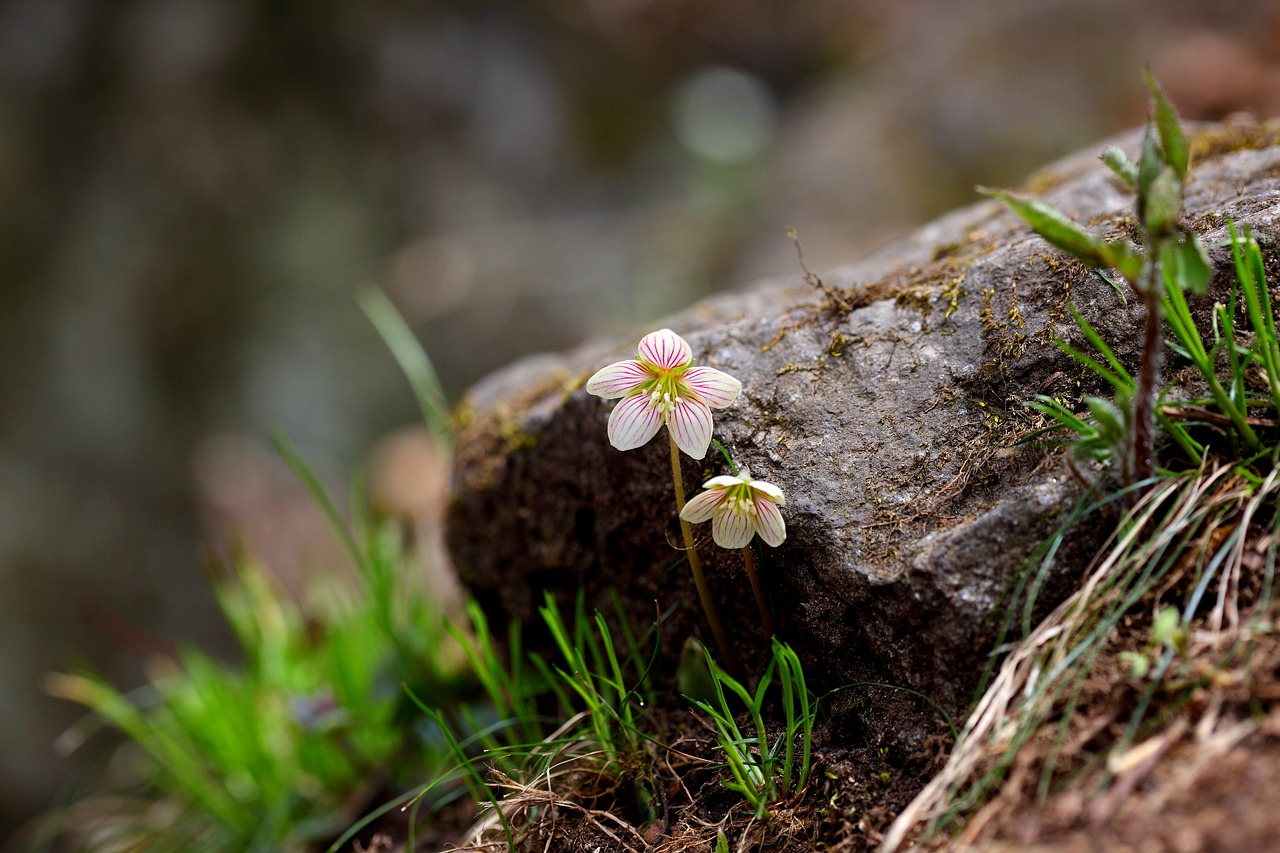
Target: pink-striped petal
point(769, 490)
point(702, 507)
point(633, 422)
point(772, 528)
point(690, 423)
point(618, 380)
point(732, 530)
point(665, 349)
point(724, 481)
point(716, 388)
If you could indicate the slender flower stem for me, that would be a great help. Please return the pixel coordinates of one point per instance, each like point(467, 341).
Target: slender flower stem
point(695, 565)
point(1142, 454)
point(749, 557)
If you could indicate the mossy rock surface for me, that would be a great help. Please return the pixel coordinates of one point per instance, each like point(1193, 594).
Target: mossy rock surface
point(887, 408)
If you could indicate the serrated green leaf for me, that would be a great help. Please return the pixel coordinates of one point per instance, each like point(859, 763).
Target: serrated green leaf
point(1054, 226)
point(1119, 162)
point(1172, 139)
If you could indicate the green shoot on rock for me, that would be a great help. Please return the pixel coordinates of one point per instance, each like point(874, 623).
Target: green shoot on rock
point(1195, 548)
point(1170, 258)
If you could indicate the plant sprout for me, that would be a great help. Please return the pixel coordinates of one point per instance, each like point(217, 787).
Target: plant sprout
point(1170, 254)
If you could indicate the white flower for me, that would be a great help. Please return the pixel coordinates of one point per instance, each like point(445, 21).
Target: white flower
point(739, 508)
point(661, 386)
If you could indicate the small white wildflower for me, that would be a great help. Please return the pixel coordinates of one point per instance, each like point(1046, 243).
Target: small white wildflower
point(661, 386)
point(739, 508)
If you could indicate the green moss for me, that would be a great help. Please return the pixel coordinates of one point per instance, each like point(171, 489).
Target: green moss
point(839, 343)
point(952, 291)
point(918, 299)
point(1219, 139)
point(1043, 181)
point(486, 438)
point(816, 367)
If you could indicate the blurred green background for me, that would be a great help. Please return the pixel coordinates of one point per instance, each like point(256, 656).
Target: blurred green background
point(191, 191)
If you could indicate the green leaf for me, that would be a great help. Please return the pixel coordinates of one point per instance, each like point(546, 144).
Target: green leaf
point(1164, 629)
point(1138, 663)
point(1186, 265)
point(1054, 226)
point(1172, 140)
point(1092, 336)
point(1149, 165)
point(1163, 202)
point(1123, 256)
point(413, 361)
point(1119, 162)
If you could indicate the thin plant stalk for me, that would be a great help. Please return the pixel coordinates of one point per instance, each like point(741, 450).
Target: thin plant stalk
point(766, 619)
point(1142, 453)
point(695, 565)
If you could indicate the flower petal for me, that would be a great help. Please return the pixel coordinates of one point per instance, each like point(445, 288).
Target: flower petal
point(618, 380)
point(732, 530)
point(769, 490)
point(690, 423)
point(633, 422)
point(703, 506)
point(665, 349)
point(716, 388)
point(773, 529)
point(724, 481)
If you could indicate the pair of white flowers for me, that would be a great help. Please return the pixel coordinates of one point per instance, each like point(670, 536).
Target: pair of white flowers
point(661, 386)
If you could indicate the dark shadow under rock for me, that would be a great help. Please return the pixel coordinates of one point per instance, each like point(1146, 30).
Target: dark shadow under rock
point(888, 411)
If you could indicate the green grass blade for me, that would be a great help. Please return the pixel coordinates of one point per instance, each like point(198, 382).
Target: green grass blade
point(320, 495)
point(1096, 341)
point(413, 361)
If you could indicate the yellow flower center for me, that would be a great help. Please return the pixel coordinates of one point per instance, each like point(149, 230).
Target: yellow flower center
point(664, 389)
point(740, 501)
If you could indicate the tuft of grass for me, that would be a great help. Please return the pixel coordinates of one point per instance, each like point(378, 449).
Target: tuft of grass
point(284, 749)
point(763, 772)
point(1182, 553)
point(591, 745)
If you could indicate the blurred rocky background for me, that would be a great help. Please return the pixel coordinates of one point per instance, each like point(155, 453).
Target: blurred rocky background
point(191, 191)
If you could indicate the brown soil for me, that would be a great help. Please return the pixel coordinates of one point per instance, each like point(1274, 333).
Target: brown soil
point(1189, 804)
point(1204, 775)
point(874, 748)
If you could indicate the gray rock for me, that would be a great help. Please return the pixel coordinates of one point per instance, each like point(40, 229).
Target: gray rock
point(889, 413)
